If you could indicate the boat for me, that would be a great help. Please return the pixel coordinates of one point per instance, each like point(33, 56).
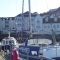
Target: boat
point(52, 52)
point(8, 43)
point(31, 49)
point(42, 50)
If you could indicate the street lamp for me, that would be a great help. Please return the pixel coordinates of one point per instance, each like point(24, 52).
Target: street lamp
point(53, 35)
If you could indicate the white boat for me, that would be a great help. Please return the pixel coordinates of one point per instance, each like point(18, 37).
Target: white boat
point(33, 51)
point(8, 42)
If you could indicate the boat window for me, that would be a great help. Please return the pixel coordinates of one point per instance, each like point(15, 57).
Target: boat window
point(6, 42)
point(3, 42)
point(11, 42)
point(34, 52)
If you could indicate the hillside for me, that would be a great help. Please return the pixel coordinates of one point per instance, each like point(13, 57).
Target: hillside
point(54, 12)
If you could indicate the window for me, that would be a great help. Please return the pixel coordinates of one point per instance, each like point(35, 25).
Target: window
point(13, 41)
point(53, 26)
point(19, 19)
point(3, 42)
point(44, 26)
point(32, 19)
point(38, 21)
point(6, 42)
point(46, 19)
point(34, 52)
point(2, 19)
point(6, 22)
point(48, 26)
point(57, 26)
point(10, 42)
point(55, 19)
point(32, 24)
point(6, 26)
point(38, 26)
point(19, 24)
point(13, 18)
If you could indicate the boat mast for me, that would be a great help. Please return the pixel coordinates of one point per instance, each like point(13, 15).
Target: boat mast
point(9, 34)
point(30, 27)
point(9, 30)
point(22, 13)
point(22, 18)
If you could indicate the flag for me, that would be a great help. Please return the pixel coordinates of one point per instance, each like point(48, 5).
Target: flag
point(26, 42)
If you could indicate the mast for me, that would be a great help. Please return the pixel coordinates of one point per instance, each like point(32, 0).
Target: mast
point(22, 18)
point(30, 27)
point(22, 11)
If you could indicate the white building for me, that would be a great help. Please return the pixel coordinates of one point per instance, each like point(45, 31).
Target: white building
point(51, 23)
point(7, 24)
point(39, 25)
point(36, 22)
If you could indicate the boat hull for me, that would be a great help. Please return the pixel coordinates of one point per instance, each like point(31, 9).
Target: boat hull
point(30, 53)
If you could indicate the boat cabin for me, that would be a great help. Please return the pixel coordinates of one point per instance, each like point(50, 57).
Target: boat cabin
point(8, 42)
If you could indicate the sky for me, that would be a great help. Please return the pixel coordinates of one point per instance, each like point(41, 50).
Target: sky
point(11, 8)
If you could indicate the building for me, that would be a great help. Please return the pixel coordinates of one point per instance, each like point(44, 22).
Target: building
point(7, 24)
point(51, 23)
point(36, 22)
point(39, 24)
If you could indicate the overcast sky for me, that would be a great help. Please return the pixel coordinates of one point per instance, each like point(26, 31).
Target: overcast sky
point(10, 8)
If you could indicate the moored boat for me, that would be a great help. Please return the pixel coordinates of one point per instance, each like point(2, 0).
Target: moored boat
point(36, 52)
point(8, 43)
